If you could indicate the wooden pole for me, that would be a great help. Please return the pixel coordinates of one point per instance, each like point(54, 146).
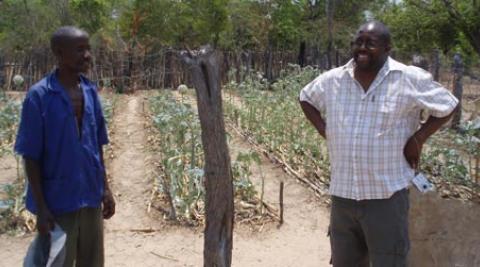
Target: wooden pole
point(218, 241)
point(436, 65)
point(457, 88)
point(281, 203)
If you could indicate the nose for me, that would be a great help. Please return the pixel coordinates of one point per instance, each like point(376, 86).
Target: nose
point(363, 45)
point(359, 45)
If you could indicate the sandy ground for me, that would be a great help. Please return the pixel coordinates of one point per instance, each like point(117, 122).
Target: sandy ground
point(135, 237)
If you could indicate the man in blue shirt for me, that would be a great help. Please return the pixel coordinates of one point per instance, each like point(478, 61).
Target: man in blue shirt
point(61, 134)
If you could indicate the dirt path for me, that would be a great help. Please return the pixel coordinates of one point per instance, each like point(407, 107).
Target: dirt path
point(301, 241)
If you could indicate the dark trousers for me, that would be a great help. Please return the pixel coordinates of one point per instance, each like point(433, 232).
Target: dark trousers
point(370, 232)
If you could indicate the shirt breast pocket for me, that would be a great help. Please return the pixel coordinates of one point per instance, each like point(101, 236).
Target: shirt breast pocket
point(389, 109)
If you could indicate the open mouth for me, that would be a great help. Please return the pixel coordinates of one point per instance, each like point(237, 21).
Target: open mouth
point(362, 58)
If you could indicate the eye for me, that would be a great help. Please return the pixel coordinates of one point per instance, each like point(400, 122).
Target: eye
point(371, 45)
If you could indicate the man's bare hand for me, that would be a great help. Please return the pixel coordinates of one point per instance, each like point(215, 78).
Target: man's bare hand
point(108, 204)
point(45, 221)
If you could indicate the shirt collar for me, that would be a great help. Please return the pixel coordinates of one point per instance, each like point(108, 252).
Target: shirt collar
point(52, 82)
point(53, 85)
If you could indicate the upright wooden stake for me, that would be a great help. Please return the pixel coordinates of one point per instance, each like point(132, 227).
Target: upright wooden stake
point(457, 88)
point(281, 203)
point(203, 67)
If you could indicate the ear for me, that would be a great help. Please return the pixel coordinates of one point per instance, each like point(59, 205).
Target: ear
point(58, 52)
point(388, 47)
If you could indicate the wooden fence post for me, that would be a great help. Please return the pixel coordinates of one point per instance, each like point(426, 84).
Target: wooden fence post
point(204, 69)
point(457, 88)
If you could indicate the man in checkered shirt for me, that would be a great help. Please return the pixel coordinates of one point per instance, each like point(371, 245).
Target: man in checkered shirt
point(369, 113)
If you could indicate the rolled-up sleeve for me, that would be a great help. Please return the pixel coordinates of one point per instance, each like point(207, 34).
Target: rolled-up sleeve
point(29, 141)
point(433, 97)
point(314, 94)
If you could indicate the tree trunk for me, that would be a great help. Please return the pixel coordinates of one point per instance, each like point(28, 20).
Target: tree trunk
point(246, 58)
point(2, 74)
point(269, 62)
point(436, 65)
point(238, 67)
point(168, 81)
point(337, 58)
point(330, 9)
point(226, 66)
point(457, 88)
point(301, 54)
point(218, 174)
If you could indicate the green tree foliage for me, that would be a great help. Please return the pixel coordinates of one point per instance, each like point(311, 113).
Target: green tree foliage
point(28, 24)
point(24, 24)
point(248, 26)
point(286, 17)
point(422, 25)
point(175, 23)
point(417, 25)
point(90, 15)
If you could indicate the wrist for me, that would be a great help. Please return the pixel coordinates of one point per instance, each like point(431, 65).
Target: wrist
point(42, 211)
point(419, 138)
point(107, 192)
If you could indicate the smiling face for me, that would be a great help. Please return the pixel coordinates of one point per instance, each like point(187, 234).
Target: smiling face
point(370, 47)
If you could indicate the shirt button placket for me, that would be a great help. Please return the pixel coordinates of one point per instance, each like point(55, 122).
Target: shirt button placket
point(354, 163)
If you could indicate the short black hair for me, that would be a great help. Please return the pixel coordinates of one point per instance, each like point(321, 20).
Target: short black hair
point(64, 34)
point(381, 29)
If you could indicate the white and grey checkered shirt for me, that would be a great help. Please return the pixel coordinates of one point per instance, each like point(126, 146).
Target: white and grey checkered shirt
point(366, 132)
